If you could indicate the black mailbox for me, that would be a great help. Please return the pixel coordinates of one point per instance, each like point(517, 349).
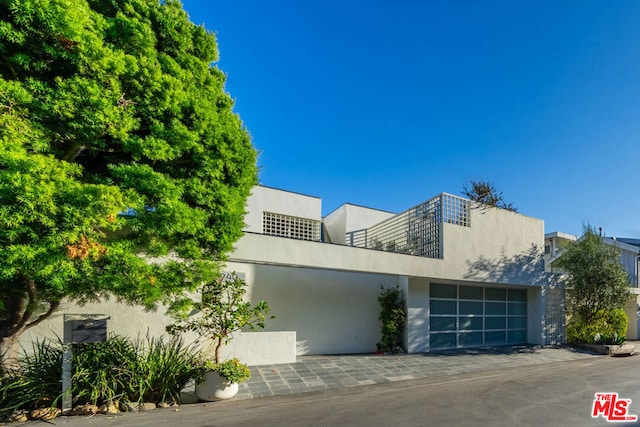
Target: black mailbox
point(88, 330)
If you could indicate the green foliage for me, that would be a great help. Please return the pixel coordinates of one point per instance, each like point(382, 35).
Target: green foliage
point(34, 383)
point(597, 282)
point(163, 368)
point(231, 370)
point(484, 192)
point(121, 369)
point(118, 370)
point(392, 318)
point(220, 312)
point(116, 138)
point(103, 372)
point(610, 327)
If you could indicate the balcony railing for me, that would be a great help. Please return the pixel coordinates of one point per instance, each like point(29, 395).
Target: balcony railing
point(416, 231)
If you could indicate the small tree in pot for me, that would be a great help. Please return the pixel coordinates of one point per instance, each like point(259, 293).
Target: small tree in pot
point(221, 312)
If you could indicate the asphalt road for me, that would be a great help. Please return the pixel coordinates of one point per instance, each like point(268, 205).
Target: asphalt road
point(556, 394)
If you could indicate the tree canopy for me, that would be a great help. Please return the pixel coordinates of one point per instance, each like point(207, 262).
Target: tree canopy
point(117, 138)
point(485, 192)
point(597, 282)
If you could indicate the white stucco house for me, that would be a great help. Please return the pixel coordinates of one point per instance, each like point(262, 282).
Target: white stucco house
point(629, 249)
point(471, 276)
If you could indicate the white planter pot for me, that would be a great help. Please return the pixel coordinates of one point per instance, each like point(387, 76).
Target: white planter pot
point(214, 387)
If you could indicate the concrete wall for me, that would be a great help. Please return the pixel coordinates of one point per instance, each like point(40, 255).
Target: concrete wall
point(327, 294)
point(418, 316)
point(124, 320)
point(500, 247)
point(631, 310)
point(252, 348)
point(261, 348)
point(265, 199)
point(331, 312)
point(350, 217)
point(535, 315)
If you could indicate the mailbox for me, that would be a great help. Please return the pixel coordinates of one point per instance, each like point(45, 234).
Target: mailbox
point(78, 329)
point(85, 328)
point(88, 331)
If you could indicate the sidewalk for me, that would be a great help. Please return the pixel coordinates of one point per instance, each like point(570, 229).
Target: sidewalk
point(313, 373)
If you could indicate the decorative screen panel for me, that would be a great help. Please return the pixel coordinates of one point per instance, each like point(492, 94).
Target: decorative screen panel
point(290, 226)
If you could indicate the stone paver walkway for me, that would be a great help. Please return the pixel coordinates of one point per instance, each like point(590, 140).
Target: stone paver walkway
point(313, 373)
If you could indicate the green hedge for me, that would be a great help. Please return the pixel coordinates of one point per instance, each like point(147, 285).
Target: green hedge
point(609, 328)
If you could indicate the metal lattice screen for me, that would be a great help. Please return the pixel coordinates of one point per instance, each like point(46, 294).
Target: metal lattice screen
point(554, 316)
point(416, 231)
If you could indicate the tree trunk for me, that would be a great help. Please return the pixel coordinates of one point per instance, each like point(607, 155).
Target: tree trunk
point(9, 351)
point(16, 317)
point(218, 347)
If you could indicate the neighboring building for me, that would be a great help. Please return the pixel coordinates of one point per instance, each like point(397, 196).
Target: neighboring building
point(629, 258)
point(471, 275)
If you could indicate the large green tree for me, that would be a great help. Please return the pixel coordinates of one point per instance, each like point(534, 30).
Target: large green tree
point(597, 282)
point(117, 139)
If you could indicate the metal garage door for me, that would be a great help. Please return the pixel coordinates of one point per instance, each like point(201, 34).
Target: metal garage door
point(469, 316)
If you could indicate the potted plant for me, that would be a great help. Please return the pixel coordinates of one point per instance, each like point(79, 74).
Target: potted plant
point(219, 381)
point(221, 312)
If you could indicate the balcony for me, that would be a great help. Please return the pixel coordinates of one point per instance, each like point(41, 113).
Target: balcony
point(416, 231)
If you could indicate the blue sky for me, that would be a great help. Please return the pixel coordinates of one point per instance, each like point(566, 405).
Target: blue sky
point(388, 103)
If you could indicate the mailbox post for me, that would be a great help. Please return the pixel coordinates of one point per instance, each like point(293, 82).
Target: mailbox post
point(78, 329)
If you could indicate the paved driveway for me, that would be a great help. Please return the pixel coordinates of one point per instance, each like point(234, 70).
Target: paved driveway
point(314, 373)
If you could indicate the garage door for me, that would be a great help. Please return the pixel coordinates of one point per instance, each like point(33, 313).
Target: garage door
point(469, 316)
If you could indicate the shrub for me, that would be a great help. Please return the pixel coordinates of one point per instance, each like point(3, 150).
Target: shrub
point(34, 383)
point(392, 318)
point(231, 370)
point(163, 369)
point(103, 372)
point(120, 369)
point(221, 311)
point(610, 327)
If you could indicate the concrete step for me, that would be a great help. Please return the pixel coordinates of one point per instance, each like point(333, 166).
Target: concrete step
point(621, 350)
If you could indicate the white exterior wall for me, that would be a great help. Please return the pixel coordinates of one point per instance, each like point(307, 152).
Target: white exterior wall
point(350, 217)
point(126, 320)
point(265, 199)
point(499, 247)
point(331, 312)
point(418, 316)
point(325, 295)
point(253, 348)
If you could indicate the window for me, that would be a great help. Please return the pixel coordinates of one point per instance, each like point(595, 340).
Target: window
point(290, 226)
